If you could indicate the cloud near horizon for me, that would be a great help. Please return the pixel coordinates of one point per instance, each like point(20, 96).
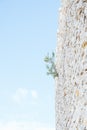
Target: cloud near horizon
point(34, 94)
point(20, 95)
point(13, 125)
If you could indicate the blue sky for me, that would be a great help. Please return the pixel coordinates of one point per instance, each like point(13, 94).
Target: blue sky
point(27, 33)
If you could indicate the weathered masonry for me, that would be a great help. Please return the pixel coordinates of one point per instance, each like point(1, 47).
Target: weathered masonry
point(71, 63)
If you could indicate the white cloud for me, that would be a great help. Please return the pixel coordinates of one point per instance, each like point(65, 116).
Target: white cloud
point(13, 125)
point(34, 94)
point(20, 94)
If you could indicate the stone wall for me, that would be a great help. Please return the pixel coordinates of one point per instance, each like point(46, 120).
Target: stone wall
point(71, 63)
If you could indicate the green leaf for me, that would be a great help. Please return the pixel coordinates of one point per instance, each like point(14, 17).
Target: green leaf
point(53, 54)
point(46, 59)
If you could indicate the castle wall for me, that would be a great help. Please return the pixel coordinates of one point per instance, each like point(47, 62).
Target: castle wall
point(71, 63)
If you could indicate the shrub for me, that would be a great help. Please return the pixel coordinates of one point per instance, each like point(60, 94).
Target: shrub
point(50, 65)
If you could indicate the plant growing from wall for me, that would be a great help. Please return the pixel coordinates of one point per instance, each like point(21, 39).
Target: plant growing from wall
point(50, 65)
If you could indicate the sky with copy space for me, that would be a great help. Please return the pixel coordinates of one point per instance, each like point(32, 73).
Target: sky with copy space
point(27, 33)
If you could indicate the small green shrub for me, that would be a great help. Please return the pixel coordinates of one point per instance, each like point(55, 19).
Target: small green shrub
point(50, 65)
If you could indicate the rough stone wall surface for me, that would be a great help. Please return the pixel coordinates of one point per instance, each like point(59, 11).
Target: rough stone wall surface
point(71, 85)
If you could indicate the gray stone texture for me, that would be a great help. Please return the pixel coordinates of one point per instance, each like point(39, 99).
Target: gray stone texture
point(71, 63)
